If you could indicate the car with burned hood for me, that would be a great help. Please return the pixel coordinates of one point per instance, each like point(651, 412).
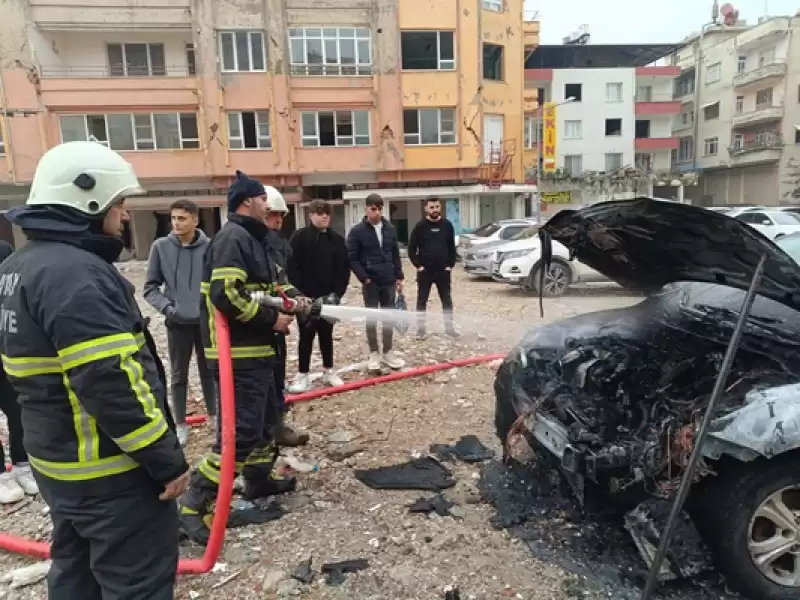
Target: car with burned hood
point(613, 399)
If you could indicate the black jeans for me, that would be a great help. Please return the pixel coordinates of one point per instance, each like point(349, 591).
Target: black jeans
point(426, 279)
point(377, 295)
point(181, 340)
point(308, 331)
point(9, 404)
point(279, 372)
point(122, 545)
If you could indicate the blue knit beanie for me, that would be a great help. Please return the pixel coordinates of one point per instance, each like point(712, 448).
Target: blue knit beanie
point(243, 188)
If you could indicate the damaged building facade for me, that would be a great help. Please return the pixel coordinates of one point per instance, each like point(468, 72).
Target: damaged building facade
point(332, 99)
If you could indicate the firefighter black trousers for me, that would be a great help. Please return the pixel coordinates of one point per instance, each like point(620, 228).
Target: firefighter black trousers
point(120, 546)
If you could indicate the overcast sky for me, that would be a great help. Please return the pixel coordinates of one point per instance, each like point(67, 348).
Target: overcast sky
point(635, 21)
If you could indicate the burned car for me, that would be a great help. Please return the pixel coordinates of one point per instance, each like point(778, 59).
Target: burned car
point(613, 399)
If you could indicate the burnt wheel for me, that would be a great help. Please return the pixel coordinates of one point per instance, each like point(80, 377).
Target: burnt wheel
point(750, 519)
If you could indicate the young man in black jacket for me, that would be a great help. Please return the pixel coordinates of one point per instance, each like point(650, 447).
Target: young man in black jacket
point(317, 267)
point(432, 250)
point(375, 260)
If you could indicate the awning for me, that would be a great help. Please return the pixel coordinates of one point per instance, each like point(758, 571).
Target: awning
point(420, 193)
point(708, 104)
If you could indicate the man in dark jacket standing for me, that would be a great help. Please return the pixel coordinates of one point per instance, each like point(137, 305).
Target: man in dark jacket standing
point(172, 287)
point(375, 259)
point(318, 267)
point(432, 250)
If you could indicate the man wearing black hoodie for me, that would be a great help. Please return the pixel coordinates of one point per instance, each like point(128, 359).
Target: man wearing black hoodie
point(432, 250)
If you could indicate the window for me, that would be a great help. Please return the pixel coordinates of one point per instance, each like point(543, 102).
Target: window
point(764, 99)
point(249, 130)
point(427, 51)
point(531, 132)
point(613, 161)
point(191, 61)
point(331, 50)
point(644, 162)
point(136, 60)
point(685, 149)
point(573, 130)
point(766, 57)
point(496, 5)
point(613, 126)
point(335, 128)
point(512, 231)
point(429, 126)
point(493, 62)
point(739, 105)
point(713, 73)
point(710, 146)
point(738, 141)
point(644, 93)
point(741, 65)
point(139, 131)
point(2, 141)
point(643, 128)
point(613, 92)
point(711, 111)
point(573, 90)
point(755, 218)
point(684, 86)
point(796, 134)
point(242, 51)
point(573, 164)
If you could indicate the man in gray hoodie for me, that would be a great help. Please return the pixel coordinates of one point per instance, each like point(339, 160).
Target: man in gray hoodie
point(174, 272)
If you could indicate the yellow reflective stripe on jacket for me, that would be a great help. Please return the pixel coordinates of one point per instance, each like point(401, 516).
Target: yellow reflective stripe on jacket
point(83, 471)
point(118, 344)
point(85, 427)
point(156, 425)
point(230, 276)
point(225, 273)
point(242, 352)
point(24, 366)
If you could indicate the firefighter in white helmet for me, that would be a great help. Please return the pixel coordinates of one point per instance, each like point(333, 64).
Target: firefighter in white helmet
point(98, 431)
point(279, 251)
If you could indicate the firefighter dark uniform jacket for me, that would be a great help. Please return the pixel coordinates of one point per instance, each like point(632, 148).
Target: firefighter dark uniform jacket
point(75, 347)
point(237, 263)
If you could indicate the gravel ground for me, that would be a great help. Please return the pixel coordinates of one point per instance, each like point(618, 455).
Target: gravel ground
point(334, 517)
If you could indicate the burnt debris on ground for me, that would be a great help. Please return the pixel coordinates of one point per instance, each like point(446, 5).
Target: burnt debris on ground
point(538, 508)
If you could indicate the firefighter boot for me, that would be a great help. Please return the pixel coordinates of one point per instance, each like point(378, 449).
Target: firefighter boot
point(262, 481)
point(196, 508)
point(286, 435)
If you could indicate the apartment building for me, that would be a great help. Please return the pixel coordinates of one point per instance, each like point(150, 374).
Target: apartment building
point(739, 89)
point(334, 99)
point(614, 108)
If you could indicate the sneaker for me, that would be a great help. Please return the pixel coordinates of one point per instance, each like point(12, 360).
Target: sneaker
point(421, 334)
point(332, 379)
point(301, 383)
point(453, 332)
point(24, 476)
point(391, 360)
point(10, 490)
point(374, 363)
point(182, 431)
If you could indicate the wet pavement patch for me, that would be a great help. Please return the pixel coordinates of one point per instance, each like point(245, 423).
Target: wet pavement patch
point(537, 508)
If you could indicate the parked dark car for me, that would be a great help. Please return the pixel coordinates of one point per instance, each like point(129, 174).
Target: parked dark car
point(613, 398)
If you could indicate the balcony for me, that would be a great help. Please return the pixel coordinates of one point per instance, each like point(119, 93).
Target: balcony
point(759, 150)
point(658, 71)
point(772, 72)
point(84, 87)
point(762, 114)
point(78, 15)
point(656, 104)
point(763, 34)
point(656, 143)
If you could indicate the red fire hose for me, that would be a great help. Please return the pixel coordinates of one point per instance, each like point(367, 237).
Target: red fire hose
point(20, 545)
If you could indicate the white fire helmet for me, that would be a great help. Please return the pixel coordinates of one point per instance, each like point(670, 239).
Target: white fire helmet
point(85, 176)
point(275, 200)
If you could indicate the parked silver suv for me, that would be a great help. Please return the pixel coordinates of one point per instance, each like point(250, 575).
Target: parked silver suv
point(496, 232)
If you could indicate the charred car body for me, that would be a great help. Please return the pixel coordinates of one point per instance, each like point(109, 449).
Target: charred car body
point(613, 398)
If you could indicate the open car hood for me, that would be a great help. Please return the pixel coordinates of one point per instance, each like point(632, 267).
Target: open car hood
point(646, 244)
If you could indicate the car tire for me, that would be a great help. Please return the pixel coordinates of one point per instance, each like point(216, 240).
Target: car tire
point(724, 510)
point(563, 278)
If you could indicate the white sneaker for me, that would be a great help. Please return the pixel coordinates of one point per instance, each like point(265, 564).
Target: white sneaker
point(301, 383)
point(182, 432)
point(332, 379)
point(374, 362)
point(10, 490)
point(391, 360)
point(24, 476)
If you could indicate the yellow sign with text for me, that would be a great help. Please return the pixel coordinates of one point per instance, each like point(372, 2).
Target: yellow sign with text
point(556, 197)
point(549, 138)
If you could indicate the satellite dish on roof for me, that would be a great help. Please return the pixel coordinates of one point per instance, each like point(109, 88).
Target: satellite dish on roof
point(577, 38)
point(730, 16)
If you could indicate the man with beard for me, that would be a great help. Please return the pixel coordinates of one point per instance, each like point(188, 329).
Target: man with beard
point(75, 347)
point(432, 250)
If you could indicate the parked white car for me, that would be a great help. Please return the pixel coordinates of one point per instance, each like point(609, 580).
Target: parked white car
point(518, 263)
point(772, 223)
point(491, 232)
